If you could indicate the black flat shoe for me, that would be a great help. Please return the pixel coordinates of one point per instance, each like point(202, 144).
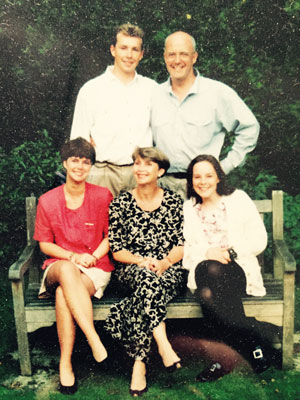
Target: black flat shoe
point(260, 363)
point(138, 393)
point(68, 389)
point(211, 373)
point(174, 367)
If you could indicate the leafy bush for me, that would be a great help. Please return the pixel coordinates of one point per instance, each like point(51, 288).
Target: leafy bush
point(27, 169)
point(50, 48)
point(259, 185)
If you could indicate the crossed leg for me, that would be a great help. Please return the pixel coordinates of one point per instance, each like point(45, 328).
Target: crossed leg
point(73, 304)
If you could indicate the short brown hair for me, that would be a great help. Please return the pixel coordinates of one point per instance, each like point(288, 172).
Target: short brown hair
point(128, 30)
point(78, 148)
point(152, 154)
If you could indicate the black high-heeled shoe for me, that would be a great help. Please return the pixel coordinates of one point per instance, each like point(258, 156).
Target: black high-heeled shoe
point(138, 393)
point(174, 367)
point(68, 389)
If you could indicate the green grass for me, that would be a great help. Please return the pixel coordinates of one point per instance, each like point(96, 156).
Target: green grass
point(97, 384)
point(112, 379)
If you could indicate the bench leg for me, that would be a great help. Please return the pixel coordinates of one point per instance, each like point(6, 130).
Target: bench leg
point(288, 320)
point(21, 327)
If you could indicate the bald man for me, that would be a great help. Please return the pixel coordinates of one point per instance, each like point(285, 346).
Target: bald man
point(191, 115)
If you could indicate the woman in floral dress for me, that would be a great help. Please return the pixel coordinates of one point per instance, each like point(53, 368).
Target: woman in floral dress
point(145, 236)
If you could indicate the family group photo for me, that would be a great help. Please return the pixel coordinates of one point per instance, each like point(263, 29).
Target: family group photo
point(150, 199)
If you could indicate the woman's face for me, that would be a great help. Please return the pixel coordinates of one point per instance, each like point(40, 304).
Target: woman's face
point(77, 168)
point(205, 180)
point(146, 171)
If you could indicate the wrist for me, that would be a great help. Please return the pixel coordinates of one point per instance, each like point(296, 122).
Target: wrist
point(140, 261)
point(95, 257)
point(168, 262)
point(71, 255)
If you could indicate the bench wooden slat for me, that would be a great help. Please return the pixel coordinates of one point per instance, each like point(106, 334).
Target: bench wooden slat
point(276, 307)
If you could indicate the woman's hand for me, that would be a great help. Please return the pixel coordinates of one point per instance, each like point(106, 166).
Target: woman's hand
point(145, 262)
point(160, 266)
point(84, 259)
point(218, 254)
point(157, 266)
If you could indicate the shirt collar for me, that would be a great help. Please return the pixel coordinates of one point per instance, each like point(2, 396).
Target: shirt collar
point(113, 78)
point(194, 89)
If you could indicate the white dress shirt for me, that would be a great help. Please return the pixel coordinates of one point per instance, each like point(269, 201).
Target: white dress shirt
point(115, 115)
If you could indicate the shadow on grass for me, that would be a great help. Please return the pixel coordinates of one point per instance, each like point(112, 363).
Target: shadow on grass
point(111, 378)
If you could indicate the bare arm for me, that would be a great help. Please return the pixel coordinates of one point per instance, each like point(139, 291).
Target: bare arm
point(126, 257)
point(102, 249)
point(55, 251)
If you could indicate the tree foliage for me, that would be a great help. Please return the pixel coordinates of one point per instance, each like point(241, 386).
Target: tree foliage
point(50, 48)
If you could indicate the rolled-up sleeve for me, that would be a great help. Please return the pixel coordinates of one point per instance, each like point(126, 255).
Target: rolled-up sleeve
point(236, 117)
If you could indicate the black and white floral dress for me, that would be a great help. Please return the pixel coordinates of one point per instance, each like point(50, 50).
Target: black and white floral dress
point(147, 234)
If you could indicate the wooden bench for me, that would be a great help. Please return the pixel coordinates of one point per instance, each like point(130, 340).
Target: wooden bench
point(276, 307)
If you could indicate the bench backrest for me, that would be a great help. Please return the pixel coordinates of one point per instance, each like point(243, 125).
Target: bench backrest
point(273, 206)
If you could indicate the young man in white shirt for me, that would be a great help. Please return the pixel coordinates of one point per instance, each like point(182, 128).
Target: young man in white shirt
point(112, 111)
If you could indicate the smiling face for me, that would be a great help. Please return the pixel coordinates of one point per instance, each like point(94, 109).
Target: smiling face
point(146, 171)
point(205, 180)
point(77, 168)
point(127, 53)
point(180, 56)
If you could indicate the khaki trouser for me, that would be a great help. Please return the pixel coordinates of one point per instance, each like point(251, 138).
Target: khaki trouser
point(116, 178)
point(175, 184)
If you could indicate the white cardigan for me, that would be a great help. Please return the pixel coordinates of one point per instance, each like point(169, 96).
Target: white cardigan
point(246, 234)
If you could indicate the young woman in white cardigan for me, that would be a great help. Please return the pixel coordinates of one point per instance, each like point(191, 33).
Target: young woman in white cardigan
point(224, 233)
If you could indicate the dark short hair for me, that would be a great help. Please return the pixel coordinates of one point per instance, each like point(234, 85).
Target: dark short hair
point(222, 187)
point(152, 154)
point(128, 30)
point(78, 148)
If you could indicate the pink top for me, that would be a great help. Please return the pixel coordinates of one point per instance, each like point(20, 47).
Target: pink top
point(214, 225)
point(80, 230)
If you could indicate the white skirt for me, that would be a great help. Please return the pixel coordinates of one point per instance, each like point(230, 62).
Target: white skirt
point(99, 278)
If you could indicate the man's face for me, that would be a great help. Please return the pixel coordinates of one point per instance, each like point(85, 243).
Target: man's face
point(180, 56)
point(127, 53)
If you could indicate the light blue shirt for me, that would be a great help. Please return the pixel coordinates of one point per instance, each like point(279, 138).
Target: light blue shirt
point(198, 124)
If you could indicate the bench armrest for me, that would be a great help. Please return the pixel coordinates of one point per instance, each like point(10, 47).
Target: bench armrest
point(285, 256)
point(18, 269)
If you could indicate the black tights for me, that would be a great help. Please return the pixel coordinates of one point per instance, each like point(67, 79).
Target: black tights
point(220, 288)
